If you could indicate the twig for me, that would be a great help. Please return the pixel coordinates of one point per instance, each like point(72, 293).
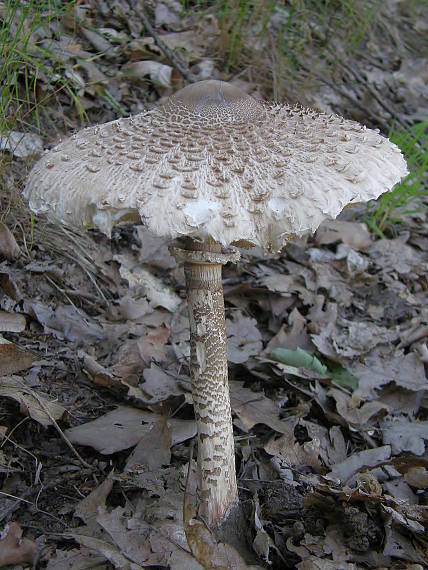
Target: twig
point(22, 500)
point(356, 74)
point(59, 430)
point(139, 7)
point(375, 118)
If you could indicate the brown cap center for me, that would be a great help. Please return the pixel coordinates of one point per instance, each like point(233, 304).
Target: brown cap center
point(215, 100)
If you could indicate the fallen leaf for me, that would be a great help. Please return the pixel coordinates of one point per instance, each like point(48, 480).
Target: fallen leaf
point(379, 368)
point(159, 384)
point(31, 403)
point(152, 345)
point(12, 322)
point(243, 338)
point(65, 321)
point(9, 249)
point(357, 416)
point(13, 358)
point(292, 339)
point(158, 294)
point(417, 477)
point(399, 546)
point(131, 543)
point(17, 550)
point(75, 559)
point(21, 145)
point(330, 279)
point(291, 453)
point(154, 448)
point(87, 509)
point(159, 73)
point(316, 563)
point(359, 461)
point(394, 256)
point(254, 408)
point(167, 14)
point(354, 234)
point(355, 338)
point(320, 319)
point(123, 428)
point(405, 435)
point(109, 551)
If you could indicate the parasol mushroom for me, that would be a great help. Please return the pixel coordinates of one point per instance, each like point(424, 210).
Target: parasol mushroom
point(214, 168)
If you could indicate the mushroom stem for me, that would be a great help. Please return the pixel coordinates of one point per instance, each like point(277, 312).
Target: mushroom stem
point(210, 390)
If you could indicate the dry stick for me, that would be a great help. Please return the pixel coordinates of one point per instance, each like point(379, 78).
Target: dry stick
point(348, 96)
point(22, 500)
point(168, 53)
point(356, 74)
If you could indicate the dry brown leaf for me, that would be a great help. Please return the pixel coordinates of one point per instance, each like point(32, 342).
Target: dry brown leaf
point(107, 550)
point(417, 477)
point(320, 319)
point(316, 563)
point(330, 279)
point(65, 321)
point(152, 346)
point(379, 368)
point(154, 448)
point(159, 384)
point(134, 308)
point(159, 74)
point(356, 415)
point(31, 403)
point(17, 550)
point(158, 294)
point(87, 509)
point(243, 338)
point(405, 435)
point(394, 256)
point(359, 461)
point(292, 454)
point(123, 428)
point(354, 234)
point(254, 408)
point(75, 560)
point(12, 322)
point(132, 543)
point(399, 546)
point(9, 249)
point(13, 358)
point(355, 338)
point(292, 339)
point(21, 144)
point(9, 287)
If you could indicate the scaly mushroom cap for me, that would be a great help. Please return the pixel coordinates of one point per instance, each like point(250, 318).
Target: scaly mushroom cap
point(212, 161)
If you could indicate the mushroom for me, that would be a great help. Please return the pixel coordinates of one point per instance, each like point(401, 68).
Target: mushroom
point(213, 168)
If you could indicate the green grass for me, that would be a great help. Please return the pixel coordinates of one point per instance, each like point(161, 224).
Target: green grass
point(389, 210)
point(31, 74)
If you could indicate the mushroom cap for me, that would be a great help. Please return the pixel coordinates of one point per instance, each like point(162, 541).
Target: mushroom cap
point(214, 162)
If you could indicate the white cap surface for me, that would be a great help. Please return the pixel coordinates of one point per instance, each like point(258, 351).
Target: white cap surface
point(214, 162)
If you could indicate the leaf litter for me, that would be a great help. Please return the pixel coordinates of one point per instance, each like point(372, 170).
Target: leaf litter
point(330, 434)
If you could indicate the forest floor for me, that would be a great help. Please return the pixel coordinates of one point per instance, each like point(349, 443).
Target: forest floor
point(96, 416)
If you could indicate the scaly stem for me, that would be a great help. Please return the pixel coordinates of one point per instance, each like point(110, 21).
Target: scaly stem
point(210, 390)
